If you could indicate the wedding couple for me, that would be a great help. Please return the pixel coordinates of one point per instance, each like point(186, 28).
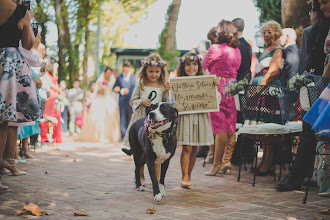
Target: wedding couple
point(105, 122)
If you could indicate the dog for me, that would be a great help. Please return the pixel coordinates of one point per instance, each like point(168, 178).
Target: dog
point(153, 140)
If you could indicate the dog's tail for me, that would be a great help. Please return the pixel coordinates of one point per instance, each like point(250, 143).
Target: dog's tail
point(126, 151)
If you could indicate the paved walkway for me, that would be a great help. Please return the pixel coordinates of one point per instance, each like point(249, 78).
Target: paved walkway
point(98, 179)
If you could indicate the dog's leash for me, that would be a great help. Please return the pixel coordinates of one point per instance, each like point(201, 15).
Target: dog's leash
point(150, 95)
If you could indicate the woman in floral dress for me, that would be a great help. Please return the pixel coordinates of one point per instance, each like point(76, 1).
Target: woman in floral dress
point(19, 104)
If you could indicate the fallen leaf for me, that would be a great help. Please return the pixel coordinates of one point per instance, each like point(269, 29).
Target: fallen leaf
point(74, 160)
point(325, 211)
point(24, 169)
point(80, 213)
point(106, 193)
point(10, 190)
point(57, 149)
point(41, 165)
point(128, 159)
point(318, 217)
point(46, 172)
point(151, 210)
point(66, 155)
point(31, 209)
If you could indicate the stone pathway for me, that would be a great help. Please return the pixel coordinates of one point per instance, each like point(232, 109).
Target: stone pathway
point(98, 178)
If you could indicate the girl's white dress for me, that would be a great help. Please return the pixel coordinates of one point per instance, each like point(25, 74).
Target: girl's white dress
point(140, 111)
point(102, 123)
point(195, 129)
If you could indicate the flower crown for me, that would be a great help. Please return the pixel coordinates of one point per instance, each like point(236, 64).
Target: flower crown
point(159, 63)
point(189, 58)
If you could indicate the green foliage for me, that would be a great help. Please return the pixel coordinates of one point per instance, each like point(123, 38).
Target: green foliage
point(269, 10)
point(172, 55)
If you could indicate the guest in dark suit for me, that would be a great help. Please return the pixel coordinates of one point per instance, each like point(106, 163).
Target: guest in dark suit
point(125, 85)
point(303, 58)
point(244, 71)
point(291, 55)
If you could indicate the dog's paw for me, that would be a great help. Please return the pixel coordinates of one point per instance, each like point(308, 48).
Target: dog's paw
point(158, 197)
point(162, 189)
point(140, 188)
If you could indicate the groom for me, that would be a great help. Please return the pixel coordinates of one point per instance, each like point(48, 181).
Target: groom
point(125, 85)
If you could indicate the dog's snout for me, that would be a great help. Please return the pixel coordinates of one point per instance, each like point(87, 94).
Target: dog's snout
point(152, 114)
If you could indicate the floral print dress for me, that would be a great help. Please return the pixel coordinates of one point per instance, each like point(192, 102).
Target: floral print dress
point(19, 104)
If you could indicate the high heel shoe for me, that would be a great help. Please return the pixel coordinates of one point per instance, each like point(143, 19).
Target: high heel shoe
point(9, 164)
point(224, 168)
point(213, 172)
point(28, 155)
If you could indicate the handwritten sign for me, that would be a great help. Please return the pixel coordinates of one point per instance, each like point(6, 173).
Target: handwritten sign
point(194, 94)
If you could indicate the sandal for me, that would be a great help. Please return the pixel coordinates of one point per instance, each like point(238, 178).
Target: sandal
point(185, 184)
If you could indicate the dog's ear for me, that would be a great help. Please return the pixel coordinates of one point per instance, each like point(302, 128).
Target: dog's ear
point(176, 112)
point(148, 109)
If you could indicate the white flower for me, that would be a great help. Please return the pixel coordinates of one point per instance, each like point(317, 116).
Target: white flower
point(191, 57)
point(153, 63)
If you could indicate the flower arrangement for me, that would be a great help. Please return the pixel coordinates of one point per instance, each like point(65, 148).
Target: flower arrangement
point(235, 87)
point(102, 86)
point(159, 63)
point(148, 131)
point(189, 58)
point(299, 80)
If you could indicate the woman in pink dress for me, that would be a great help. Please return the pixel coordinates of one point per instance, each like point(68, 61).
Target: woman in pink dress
point(223, 59)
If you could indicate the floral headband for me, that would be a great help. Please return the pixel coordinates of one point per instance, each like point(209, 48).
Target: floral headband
point(160, 63)
point(189, 58)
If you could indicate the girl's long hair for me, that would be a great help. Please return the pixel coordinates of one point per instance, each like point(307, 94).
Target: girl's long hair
point(142, 72)
point(185, 58)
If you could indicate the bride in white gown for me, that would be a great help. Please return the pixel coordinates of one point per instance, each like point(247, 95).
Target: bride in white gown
point(102, 121)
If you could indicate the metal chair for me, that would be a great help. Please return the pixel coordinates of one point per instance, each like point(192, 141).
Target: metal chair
point(260, 105)
point(292, 114)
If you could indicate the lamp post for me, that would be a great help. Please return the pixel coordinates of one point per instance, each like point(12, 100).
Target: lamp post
point(259, 40)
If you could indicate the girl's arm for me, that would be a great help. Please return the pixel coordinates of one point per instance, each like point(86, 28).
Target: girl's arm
point(274, 67)
point(326, 72)
point(38, 82)
point(135, 101)
point(165, 95)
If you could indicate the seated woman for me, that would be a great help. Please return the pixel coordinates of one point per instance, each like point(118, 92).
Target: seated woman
point(268, 69)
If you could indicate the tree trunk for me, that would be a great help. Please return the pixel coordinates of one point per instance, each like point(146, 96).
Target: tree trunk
point(86, 48)
point(170, 41)
point(60, 42)
point(295, 15)
point(42, 18)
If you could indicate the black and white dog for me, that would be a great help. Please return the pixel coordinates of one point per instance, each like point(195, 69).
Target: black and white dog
point(153, 140)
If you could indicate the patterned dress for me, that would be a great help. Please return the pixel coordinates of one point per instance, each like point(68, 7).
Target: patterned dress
point(262, 68)
point(19, 104)
point(223, 61)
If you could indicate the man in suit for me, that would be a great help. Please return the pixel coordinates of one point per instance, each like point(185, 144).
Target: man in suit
point(291, 54)
point(303, 58)
point(244, 71)
point(125, 85)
